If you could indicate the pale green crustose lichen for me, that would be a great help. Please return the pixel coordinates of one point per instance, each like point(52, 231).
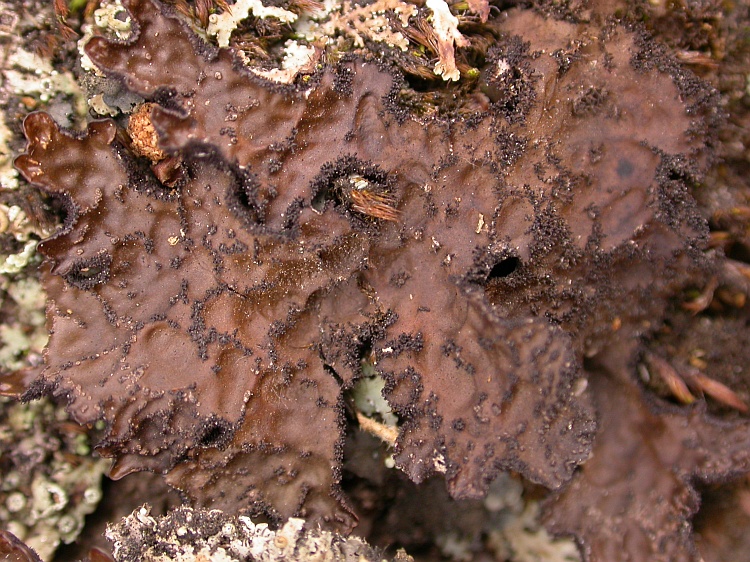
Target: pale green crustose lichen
point(13, 220)
point(50, 481)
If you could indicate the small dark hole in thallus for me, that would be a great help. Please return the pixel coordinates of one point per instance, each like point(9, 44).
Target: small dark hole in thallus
point(215, 433)
point(504, 267)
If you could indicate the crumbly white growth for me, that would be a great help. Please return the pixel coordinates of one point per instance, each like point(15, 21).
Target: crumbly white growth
point(336, 20)
point(368, 21)
point(112, 19)
point(100, 107)
point(13, 220)
point(24, 335)
point(28, 73)
point(374, 414)
point(455, 547)
point(296, 58)
point(108, 17)
point(445, 25)
point(195, 535)
point(222, 25)
point(307, 27)
point(16, 262)
point(8, 174)
point(105, 19)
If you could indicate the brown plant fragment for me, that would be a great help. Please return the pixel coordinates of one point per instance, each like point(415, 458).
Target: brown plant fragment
point(474, 262)
point(717, 390)
point(676, 384)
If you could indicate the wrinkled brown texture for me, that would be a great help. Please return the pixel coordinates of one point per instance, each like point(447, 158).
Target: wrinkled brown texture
point(215, 325)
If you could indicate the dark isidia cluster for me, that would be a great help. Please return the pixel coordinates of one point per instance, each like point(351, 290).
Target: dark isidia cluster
point(214, 308)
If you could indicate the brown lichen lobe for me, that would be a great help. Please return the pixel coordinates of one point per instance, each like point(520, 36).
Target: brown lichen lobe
point(231, 310)
point(146, 276)
point(615, 504)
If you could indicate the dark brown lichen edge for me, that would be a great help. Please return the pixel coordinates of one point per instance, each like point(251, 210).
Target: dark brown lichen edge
point(215, 323)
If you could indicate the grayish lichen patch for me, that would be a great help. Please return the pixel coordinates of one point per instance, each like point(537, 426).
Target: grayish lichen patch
point(359, 23)
point(368, 399)
point(50, 481)
point(519, 535)
point(14, 222)
point(25, 73)
point(193, 535)
point(7, 172)
point(23, 336)
point(511, 530)
point(105, 97)
point(30, 74)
